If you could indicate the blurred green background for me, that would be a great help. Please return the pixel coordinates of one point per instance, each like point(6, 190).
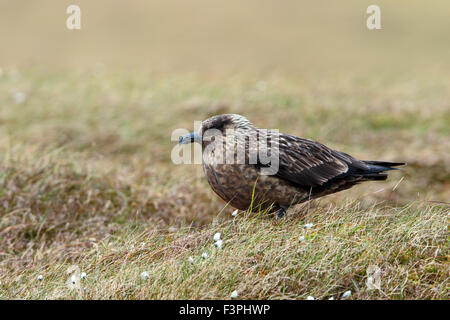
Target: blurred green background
point(226, 36)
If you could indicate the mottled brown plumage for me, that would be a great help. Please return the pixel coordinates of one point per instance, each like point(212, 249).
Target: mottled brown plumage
point(307, 169)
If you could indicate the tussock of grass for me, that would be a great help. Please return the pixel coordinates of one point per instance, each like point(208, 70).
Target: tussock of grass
point(262, 258)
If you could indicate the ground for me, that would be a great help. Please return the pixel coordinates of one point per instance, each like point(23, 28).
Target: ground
point(86, 180)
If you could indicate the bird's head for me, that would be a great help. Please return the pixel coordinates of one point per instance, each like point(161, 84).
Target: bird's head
point(217, 125)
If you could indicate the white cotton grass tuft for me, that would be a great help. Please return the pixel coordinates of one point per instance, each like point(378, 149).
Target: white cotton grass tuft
point(144, 275)
point(73, 279)
point(204, 255)
point(216, 236)
point(332, 298)
point(83, 275)
point(191, 260)
point(40, 277)
point(234, 294)
point(346, 294)
point(310, 298)
point(301, 238)
point(309, 225)
point(235, 212)
point(370, 283)
point(218, 244)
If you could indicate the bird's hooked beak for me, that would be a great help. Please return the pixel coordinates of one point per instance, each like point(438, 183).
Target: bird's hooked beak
point(190, 137)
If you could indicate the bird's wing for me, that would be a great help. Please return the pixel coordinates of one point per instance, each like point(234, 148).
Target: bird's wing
point(310, 164)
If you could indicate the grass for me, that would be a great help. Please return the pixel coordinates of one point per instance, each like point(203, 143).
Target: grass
point(86, 180)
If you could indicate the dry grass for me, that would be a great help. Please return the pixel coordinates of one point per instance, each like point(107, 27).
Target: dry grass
point(261, 258)
point(86, 180)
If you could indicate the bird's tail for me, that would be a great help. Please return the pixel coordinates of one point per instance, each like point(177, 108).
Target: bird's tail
point(385, 164)
point(376, 169)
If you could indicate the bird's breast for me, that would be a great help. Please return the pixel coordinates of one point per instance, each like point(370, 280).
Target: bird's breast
point(243, 185)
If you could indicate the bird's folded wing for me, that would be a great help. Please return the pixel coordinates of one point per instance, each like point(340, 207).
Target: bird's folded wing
point(310, 164)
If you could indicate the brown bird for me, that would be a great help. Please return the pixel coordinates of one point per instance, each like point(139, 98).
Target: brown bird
point(260, 169)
